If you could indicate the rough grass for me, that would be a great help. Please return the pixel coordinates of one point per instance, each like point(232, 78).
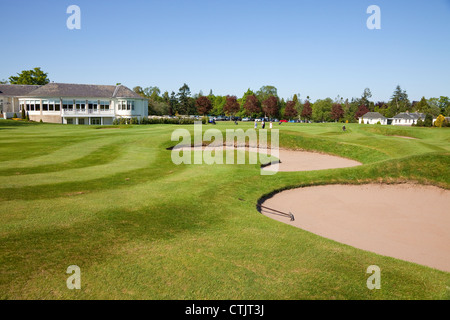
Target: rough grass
point(140, 227)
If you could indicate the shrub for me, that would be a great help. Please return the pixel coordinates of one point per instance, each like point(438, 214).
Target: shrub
point(15, 115)
point(428, 120)
point(123, 121)
point(440, 121)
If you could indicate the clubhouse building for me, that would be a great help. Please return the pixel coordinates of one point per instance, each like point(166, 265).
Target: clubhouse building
point(72, 103)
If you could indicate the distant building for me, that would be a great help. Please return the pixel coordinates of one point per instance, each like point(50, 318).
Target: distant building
point(373, 118)
point(407, 118)
point(72, 103)
point(9, 101)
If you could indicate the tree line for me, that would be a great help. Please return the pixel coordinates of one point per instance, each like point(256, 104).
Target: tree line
point(266, 103)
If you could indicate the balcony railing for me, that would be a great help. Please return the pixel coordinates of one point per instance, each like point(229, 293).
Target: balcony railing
point(87, 111)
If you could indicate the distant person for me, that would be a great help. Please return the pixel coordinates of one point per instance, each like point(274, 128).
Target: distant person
point(235, 122)
point(256, 124)
point(343, 128)
point(263, 124)
point(270, 125)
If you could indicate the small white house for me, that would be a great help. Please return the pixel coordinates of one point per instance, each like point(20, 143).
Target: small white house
point(373, 118)
point(407, 119)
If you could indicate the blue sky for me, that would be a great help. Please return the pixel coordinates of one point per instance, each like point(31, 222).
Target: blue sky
point(318, 48)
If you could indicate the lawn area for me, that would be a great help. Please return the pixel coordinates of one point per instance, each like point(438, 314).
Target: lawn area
point(111, 201)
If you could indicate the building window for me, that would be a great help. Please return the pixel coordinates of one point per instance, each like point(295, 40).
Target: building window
point(31, 105)
point(69, 121)
point(81, 121)
point(44, 105)
point(37, 105)
point(80, 105)
point(53, 105)
point(67, 104)
point(93, 105)
point(104, 105)
point(122, 105)
point(130, 105)
point(1, 105)
point(95, 121)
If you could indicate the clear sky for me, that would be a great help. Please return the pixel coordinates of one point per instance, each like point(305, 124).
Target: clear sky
point(318, 48)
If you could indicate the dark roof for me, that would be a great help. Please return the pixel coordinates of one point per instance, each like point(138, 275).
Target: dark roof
point(15, 90)
point(373, 115)
point(410, 116)
point(82, 91)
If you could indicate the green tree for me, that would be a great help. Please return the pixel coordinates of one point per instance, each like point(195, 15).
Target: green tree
point(321, 110)
point(31, 77)
point(265, 92)
point(184, 102)
point(399, 102)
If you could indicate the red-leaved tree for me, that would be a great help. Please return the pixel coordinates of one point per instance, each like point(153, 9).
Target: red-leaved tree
point(270, 106)
point(204, 105)
point(252, 105)
point(362, 110)
point(337, 112)
point(231, 106)
point(289, 111)
point(307, 111)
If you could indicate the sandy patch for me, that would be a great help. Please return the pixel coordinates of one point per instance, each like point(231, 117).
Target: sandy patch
point(297, 160)
point(404, 221)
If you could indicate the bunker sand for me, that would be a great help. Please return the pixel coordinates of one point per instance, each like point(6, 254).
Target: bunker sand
point(405, 221)
point(290, 160)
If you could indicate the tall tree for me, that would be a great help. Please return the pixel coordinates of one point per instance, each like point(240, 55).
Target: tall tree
point(32, 77)
point(362, 110)
point(204, 105)
point(399, 101)
point(265, 92)
point(270, 106)
point(367, 94)
point(306, 111)
point(252, 106)
point(231, 106)
point(337, 112)
point(184, 94)
point(321, 110)
point(290, 111)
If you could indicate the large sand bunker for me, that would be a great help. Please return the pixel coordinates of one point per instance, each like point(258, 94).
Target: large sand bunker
point(295, 160)
point(405, 221)
point(291, 160)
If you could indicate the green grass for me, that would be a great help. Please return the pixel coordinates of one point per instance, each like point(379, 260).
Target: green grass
point(139, 227)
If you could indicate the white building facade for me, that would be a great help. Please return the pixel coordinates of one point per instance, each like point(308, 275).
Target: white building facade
point(82, 104)
point(373, 118)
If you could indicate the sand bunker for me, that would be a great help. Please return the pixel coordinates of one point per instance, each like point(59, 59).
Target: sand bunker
point(404, 221)
point(297, 160)
point(294, 160)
